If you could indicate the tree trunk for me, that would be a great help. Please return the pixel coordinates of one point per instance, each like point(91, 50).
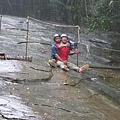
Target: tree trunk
point(86, 11)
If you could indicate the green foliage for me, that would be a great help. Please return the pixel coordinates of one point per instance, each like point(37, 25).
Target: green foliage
point(101, 23)
point(106, 18)
point(95, 14)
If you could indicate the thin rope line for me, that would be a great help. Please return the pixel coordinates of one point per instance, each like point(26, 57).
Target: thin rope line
point(52, 24)
point(88, 46)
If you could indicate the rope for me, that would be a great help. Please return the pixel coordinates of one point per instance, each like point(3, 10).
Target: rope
point(56, 25)
point(88, 48)
point(87, 45)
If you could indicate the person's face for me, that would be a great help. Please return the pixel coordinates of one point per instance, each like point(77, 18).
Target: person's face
point(64, 40)
point(57, 39)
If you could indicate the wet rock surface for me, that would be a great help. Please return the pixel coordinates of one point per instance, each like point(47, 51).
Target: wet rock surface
point(12, 108)
point(34, 91)
point(24, 72)
point(56, 100)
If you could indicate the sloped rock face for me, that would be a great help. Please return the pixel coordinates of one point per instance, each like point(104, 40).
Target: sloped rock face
point(63, 97)
point(23, 72)
point(12, 108)
point(13, 71)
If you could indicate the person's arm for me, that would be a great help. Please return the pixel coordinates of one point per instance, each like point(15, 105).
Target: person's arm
point(63, 45)
point(58, 57)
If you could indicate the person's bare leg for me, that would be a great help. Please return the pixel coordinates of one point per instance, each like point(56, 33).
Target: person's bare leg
point(83, 68)
point(66, 68)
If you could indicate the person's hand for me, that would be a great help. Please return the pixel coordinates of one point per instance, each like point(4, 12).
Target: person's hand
point(76, 51)
point(65, 62)
point(66, 68)
point(67, 44)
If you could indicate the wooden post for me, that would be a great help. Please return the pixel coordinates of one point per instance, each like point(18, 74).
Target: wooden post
point(78, 41)
point(0, 20)
point(27, 22)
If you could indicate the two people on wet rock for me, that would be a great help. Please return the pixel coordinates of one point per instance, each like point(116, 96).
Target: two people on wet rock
point(60, 52)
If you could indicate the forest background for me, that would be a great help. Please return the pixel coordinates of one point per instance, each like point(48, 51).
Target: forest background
point(95, 14)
